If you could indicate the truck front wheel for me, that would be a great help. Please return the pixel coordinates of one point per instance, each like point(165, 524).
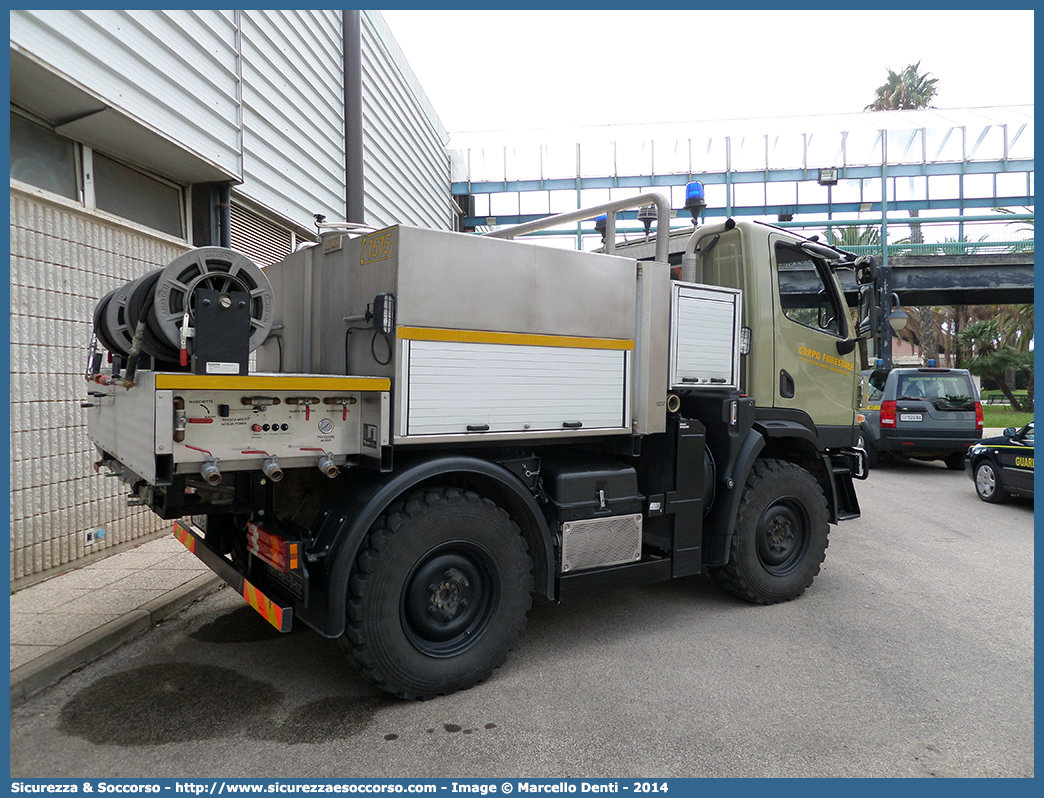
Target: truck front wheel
point(439, 594)
point(780, 538)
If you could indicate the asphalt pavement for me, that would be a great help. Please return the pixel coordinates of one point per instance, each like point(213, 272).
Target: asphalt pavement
point(910, 656)
point(70, 620)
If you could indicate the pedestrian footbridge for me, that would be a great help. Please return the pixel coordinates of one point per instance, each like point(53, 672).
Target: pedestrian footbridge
point(944, 198)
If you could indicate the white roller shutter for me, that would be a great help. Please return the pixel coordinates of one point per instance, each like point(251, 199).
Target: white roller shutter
point(459, 388)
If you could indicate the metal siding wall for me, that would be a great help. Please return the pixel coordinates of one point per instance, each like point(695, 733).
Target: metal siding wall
point(293, 106)
point(62, 263)
point(407, 166)
point(175, 71)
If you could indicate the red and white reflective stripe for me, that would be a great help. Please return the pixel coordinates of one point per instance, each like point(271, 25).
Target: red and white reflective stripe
point(268, 610)
point(186, 540)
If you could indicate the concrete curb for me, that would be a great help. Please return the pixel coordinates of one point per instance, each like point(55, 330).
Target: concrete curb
point(55, 665)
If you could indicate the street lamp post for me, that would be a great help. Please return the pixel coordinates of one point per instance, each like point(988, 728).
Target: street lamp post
point(893, 319)
point(884, 331)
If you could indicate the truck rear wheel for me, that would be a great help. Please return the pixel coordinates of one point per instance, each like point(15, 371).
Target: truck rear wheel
point(780, 538)
point(439, 594)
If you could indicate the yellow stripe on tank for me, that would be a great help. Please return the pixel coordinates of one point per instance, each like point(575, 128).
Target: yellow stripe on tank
point(517, 339)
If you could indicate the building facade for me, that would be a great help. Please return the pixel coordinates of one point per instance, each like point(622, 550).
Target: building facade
point(129, 130)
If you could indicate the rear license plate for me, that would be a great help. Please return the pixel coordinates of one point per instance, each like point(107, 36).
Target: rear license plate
point(909, 416)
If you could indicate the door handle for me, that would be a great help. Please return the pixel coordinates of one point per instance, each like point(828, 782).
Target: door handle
point(786, 384)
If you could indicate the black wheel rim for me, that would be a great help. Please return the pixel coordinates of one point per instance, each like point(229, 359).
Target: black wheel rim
point(449, 599)
point(783, 536)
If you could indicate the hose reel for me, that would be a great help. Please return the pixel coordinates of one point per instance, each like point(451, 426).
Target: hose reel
point(166, 300)
point(105, 330)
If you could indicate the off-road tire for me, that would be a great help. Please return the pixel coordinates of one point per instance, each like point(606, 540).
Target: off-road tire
point(439, 594)
point(987, 483)
point(780, 538)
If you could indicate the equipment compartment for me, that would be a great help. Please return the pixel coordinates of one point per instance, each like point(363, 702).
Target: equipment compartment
point(458, 387)
point(580, 488)
point(705, 329)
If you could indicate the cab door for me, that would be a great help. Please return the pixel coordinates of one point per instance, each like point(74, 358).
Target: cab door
point(811, 317)
point(1016, 461)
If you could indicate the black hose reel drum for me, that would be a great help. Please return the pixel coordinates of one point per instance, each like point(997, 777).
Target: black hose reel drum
point(110, 323)
point(172, 300)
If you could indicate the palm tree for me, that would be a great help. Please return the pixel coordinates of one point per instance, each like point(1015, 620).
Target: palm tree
point(867, 240)
point(924, 329)
point(999, 349)
point(904, 90)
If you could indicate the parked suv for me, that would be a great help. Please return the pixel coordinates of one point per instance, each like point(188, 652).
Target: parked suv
point(920, 414)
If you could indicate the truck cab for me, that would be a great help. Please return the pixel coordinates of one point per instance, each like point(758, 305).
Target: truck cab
point(801, 368)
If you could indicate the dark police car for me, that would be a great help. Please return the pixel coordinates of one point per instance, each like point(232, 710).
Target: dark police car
point(1003, 465)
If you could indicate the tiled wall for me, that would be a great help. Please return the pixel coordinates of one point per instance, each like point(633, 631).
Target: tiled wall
point(63, 261)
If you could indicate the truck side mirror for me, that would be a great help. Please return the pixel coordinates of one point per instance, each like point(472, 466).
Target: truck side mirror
point(868, 313)
point(866, 269)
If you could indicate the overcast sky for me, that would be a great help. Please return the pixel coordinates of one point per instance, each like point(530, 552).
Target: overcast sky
point(514, 70)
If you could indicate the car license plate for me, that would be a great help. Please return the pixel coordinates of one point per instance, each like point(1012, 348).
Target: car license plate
point(909, 416)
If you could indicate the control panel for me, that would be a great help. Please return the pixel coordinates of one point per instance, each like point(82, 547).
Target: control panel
point(209, 424)
point(286, 425)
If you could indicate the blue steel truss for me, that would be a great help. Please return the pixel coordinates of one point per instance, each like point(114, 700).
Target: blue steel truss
point(862, 173)
point(873, 155)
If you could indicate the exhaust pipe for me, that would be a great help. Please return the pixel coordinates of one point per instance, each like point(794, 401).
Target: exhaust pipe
point(327, 466)
point(271, 469)
point(210, 471)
